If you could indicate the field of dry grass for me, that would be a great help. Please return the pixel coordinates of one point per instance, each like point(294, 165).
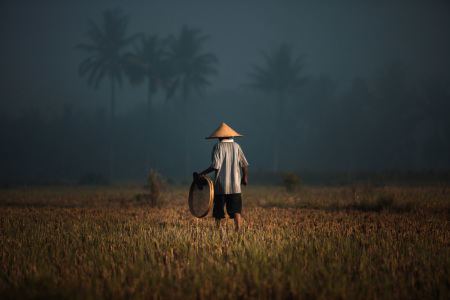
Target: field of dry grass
point(326, 243)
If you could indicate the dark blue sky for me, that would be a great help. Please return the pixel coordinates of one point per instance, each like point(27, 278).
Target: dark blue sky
point(340, 39)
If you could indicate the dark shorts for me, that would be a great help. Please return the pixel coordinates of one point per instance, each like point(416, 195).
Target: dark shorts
point(233, 203)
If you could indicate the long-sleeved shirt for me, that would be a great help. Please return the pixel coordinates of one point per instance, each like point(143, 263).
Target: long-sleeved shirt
point(227, 156)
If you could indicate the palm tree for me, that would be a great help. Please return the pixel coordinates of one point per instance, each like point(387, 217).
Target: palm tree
point(192, 67)
point(148, 61)
point(280, 75)
point(106, 58)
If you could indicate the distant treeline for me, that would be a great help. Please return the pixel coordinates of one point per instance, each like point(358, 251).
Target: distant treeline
point(366, 179)
point(387, 123)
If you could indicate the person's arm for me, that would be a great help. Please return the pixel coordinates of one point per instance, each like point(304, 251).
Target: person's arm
point(215, 162)
point(209, 170)
point(244, 178)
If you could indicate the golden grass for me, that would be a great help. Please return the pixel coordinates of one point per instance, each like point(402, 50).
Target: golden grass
point(90, 243)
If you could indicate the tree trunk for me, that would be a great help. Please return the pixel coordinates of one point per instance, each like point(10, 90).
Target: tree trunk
point(278, 132)
point(185, 133)
point(148, 128)
point(112, 137)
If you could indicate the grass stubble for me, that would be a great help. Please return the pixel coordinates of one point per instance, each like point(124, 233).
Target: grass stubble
point(322, 243)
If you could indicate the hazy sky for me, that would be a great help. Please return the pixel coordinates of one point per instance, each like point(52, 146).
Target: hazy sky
point(340, 39)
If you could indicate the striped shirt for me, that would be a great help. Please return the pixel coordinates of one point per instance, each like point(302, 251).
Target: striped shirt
point(227, 157)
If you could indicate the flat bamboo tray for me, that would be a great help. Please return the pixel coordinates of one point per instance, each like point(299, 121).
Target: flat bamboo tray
point(201, 197)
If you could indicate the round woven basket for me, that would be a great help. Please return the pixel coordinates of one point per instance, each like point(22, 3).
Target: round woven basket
point(201, 197)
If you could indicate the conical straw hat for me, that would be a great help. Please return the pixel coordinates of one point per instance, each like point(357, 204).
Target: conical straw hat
point(223, 131)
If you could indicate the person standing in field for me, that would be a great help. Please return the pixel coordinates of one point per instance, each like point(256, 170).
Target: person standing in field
point(227, 158)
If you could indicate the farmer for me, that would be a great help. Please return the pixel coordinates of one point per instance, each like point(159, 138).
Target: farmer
point(227, 157)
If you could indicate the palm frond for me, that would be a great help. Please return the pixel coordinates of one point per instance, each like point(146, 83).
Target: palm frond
point(107, 43)
point(279, 72)
point(94, 70)
point(171, 87)
point(98, 77)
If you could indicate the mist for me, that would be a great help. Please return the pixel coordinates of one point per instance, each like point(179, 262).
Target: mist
point(375, 95)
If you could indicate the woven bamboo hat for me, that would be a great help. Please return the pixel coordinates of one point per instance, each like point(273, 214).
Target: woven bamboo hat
point(223, 131)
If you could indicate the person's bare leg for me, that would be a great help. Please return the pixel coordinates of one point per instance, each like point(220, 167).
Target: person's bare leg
point(237, 221)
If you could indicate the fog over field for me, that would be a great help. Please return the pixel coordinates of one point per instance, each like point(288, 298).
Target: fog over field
point(375, 96)
point(344, 109)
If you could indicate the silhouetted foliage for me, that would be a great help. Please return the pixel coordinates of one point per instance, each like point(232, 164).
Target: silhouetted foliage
point(192, 66)
point(106, 58)
point(66, 143)
point(291, 181)
point(147, 61)
point(156, 186)
point(280, 75)
point(106, 49)
point(93, 178)
point(390, 121)
point(192, 69)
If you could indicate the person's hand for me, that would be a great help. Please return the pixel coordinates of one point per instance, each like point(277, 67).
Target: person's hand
point(244, 181)
point(201, 175)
